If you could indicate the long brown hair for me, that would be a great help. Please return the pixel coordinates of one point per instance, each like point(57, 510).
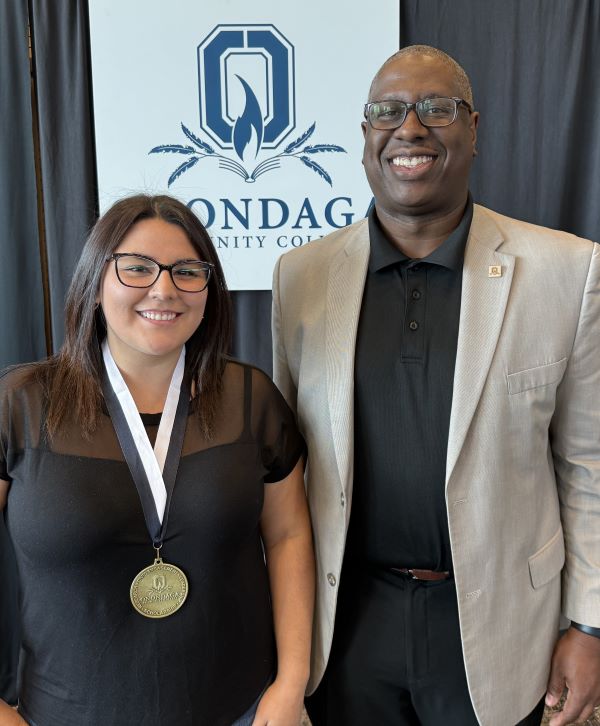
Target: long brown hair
point(72, 377)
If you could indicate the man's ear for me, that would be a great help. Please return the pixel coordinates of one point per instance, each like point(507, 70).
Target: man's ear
point(473, 121)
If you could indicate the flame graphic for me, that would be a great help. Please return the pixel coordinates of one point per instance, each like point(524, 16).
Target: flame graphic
point(250, 119)
point(159, 582)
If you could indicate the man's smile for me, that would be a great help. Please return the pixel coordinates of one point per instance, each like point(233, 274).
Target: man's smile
point(411, 162)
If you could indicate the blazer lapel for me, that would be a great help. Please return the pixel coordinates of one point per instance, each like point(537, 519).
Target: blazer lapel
point(483, 304)
point(344, 296)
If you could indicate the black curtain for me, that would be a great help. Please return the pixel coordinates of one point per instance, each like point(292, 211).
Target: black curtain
point(252, 328)
point(61, 60)
point(535, 71)
point(21, 291)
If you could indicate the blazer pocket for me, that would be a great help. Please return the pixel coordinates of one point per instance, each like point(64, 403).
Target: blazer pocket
point(536, 377)
point(548, 561)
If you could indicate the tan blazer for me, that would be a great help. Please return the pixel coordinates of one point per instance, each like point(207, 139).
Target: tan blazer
point(523, 447)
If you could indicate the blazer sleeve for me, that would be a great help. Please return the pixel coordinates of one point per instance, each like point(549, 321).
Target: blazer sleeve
point(281, 371)
point(575, 440)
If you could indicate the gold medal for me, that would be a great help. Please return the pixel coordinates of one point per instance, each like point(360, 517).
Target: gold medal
point(159, 590)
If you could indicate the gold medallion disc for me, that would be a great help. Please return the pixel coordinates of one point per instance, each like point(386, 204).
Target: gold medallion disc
point(159, 590)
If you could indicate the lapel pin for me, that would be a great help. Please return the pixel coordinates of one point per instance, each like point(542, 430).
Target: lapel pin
point(495, 271)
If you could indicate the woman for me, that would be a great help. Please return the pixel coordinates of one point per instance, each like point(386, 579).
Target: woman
point(144, 593)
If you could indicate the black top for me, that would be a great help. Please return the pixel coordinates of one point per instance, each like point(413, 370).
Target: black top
point(80, 538)
point(404, 371)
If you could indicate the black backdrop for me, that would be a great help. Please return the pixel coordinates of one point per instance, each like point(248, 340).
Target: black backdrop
point(535, 69)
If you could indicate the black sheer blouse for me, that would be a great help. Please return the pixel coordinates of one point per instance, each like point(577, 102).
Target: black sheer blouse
point(79, 534)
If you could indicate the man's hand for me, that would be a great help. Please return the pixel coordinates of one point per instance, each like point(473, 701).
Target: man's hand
point(9, 716)
point(576, 666)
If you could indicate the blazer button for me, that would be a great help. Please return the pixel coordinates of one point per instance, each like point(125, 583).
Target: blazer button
point(343, 499)
point(331, 579)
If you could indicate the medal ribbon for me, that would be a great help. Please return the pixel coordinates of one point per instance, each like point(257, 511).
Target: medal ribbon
point(153, 471)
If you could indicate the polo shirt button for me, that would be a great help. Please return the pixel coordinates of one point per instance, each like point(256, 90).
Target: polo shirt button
point(413, 325)
point(416, 295)
point(331, 579)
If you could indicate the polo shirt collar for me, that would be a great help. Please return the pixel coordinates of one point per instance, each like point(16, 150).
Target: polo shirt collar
point(449, 254)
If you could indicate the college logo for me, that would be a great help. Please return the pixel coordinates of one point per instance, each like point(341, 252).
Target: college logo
point(247, 106)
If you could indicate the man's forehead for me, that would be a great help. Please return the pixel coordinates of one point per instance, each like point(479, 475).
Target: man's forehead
point(420, 75)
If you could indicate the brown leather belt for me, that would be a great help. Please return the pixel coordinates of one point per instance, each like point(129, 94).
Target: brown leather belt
point(414, 574)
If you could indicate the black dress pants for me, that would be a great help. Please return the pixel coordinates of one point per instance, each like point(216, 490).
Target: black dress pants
point(396, 658)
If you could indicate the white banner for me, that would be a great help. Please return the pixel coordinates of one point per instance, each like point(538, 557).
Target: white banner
point(248, 112)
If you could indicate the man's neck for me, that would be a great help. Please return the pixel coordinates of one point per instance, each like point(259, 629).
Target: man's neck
point(418, 236)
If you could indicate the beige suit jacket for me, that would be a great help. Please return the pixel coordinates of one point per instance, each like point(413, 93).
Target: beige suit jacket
point(523, 462)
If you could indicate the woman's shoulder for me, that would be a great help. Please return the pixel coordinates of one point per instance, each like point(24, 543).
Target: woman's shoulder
point(254, 385)
point(238, 371)
point(23, 378)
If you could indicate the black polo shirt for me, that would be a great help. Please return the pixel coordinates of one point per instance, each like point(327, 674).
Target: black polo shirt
point(404, 372)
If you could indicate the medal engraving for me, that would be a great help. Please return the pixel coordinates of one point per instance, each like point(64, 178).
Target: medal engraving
point(159, 590)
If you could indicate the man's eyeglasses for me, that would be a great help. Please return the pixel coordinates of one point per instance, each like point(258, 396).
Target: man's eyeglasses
point(141, 271)
point(432, 112)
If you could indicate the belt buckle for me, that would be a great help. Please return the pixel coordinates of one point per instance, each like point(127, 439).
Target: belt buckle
point(407, 572)
point(414, 573)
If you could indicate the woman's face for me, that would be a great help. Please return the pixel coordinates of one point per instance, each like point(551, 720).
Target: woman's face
point(156, 320)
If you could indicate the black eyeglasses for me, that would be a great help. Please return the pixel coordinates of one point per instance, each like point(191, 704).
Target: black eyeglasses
point(141, 271)
point(432, 112)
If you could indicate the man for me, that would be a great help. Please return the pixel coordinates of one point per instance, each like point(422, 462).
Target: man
point(444, 363)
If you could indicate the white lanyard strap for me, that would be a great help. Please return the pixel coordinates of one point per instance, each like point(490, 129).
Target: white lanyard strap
point(152, 461)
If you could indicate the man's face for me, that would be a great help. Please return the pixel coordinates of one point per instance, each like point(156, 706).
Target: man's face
point(437, 183)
